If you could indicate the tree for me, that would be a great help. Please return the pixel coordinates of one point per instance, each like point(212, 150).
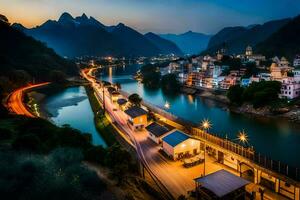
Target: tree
point(170, 84)
point(118, 86)
point(58, 77)
point(235, 94)
point(151, 76)
point(5, 134)
point(262, 93)
point(28, 142)
point(95, 154)
point(251, 70)
point(135, 100)
point(20, 77)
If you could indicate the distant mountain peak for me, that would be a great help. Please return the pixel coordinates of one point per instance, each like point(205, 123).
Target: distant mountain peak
point(83, 16)
point(151, 33)
point(121, 25)
point(65, 17)
point(19, 26)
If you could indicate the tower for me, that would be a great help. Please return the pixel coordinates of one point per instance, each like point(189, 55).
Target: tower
point(249, 51)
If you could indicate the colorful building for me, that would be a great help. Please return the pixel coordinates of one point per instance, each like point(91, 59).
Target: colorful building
point(137, 118)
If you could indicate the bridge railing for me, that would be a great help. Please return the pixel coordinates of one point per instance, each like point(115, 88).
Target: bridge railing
point(249, 153)
point(224, 143)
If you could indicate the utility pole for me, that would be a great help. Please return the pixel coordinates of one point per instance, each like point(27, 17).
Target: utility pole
point(103, 101)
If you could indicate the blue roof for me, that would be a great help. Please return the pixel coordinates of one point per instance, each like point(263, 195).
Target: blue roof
point(221, 182)
point(175, 138)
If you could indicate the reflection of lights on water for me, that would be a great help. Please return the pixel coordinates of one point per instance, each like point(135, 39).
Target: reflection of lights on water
point(190, 99)
point(110, 73)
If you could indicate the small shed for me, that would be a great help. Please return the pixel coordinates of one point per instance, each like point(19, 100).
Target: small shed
point(179, 145)
point(122, 103)
point(221, 185)
point(137, 117)
point(156, 132)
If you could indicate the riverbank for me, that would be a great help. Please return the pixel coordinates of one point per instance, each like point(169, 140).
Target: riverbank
point(36, 99)
point(289, 113)
point(102, 124)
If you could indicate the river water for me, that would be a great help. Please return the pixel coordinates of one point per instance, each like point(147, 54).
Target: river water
point(71, 106)
point(278, 139)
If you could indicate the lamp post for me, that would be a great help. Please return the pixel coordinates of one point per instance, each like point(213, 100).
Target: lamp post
point(243, 137)
point(167, 105)
point(205, 124)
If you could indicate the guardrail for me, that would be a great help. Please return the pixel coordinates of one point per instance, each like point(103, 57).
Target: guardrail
point(249, 153)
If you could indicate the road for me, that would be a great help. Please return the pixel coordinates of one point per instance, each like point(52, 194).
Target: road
point(15, 100)
point(174, 177)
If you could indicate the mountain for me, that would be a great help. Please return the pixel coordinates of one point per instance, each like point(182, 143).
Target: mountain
point(78, 36)
point(284, 42)
point(238, 38)
point(21, 52)
point(165, 46)
point(189, 42)
point(136, 44)
point(82, 35)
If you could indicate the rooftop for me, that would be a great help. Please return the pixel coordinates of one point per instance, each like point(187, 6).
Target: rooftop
point(157, 129)
point(121, 101)
point(221, 182)
point(111, 89)
point(135, 111)
point(175, 138)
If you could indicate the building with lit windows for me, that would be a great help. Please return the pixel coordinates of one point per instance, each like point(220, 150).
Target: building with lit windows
point(137, 118)
point(179, 145)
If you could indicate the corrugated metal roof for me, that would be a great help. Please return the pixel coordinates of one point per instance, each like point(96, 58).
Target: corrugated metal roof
point(221, 182)
point(175, 138)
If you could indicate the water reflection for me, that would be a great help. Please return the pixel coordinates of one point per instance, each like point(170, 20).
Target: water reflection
point(71, 106)
point(278, 139)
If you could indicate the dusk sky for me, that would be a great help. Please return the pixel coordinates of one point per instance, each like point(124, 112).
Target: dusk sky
point(160, 16)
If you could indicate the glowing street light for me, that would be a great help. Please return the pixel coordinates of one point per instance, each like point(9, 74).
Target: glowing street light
point(167, 105)
point(243, 137)
point(206, 124)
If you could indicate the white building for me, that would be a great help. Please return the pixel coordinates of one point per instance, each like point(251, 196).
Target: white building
point(156, 132)
point(290, 89)
point(296, 62)
point(178, 145)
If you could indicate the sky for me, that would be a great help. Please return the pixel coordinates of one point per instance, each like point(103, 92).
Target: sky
point(159, 16)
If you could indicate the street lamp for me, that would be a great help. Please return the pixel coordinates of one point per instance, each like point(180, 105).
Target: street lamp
point(206, 125)
point(243, 137)
point(167, 105)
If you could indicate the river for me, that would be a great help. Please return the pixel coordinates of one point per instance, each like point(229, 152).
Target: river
point(71, 106)
point(278, 139)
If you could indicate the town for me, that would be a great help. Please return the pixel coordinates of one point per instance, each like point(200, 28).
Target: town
point(150, 100)
point(212, 72)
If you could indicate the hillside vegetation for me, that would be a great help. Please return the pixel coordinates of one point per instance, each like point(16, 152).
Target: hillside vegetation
point(24, 59)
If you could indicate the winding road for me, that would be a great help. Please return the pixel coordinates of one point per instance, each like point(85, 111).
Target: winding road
point(15, 100)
